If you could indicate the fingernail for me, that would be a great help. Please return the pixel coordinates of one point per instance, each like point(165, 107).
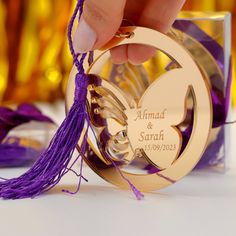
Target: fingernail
point(84, 38)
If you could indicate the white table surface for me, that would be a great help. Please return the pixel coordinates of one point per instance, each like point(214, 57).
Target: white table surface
point(201, 204)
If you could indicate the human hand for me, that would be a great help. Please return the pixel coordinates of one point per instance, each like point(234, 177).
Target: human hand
point(101, 20)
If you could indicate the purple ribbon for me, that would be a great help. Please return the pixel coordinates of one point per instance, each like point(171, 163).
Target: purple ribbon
point(13, 154)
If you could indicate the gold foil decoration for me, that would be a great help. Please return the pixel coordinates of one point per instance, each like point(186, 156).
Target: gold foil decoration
point(139, 124)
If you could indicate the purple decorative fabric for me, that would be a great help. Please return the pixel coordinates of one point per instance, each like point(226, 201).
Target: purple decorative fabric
point(13, 154)
point(193, 30)
point(24, 113)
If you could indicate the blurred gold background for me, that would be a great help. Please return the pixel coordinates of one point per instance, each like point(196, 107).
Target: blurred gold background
point(34, 56)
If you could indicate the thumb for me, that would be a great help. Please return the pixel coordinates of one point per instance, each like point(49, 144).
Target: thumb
point(99, 23)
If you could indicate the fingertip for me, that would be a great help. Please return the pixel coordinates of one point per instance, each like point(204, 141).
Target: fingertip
point(138, 54)
point(135, 54)
point(104, 17)
point(119, 54)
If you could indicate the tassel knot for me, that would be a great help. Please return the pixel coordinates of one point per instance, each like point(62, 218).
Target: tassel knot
point(81, 83)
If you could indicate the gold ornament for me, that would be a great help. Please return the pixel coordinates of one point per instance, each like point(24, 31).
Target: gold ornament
point(137, 122)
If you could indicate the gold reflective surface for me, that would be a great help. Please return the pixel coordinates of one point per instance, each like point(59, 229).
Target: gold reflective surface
point(135, 119)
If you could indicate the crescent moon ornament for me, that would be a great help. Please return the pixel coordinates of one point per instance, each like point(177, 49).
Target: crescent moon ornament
point(136, 122)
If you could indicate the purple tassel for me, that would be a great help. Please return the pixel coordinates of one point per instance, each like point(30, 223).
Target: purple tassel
point(53, 163)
